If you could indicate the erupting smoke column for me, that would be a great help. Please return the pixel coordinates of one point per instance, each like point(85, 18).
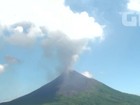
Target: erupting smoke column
point(64, 34)
point(64, 49)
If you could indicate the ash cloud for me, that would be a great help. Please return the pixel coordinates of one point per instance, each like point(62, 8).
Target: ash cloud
point(64, 49)
point(21, 34)
point(58, 47)
point(61, 33)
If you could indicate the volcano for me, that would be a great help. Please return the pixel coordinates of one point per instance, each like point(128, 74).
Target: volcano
point(72, 88)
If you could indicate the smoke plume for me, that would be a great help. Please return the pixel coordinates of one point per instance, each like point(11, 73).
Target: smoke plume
point(61, 33)
point(64, 49)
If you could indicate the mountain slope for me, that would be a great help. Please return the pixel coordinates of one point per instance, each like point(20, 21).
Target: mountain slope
point(72, 88)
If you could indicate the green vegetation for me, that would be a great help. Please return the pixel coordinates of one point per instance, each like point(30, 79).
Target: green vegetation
point(91, 99)
point(104, 96)
point(75, 89)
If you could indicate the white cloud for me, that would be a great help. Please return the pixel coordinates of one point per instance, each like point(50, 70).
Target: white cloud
point(22, 23)
point(2, 67)
point(19, 29)
point(52, 14)
point(23, 33)
point(134, 5)
point(21, 40)
point(87, 74)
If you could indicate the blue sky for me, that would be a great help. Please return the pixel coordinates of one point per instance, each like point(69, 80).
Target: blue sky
point(88, 36)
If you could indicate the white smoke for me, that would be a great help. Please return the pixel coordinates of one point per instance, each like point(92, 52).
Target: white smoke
point(64, 34)
point(64, 49)
point(52, 14)
point(22, 34)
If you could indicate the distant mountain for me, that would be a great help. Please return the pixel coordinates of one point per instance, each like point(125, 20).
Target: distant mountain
point(72, 88)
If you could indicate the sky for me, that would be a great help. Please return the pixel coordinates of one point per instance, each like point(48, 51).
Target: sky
point(40, 39)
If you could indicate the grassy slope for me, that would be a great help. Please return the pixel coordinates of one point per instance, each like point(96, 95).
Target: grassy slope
point(103, 96)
